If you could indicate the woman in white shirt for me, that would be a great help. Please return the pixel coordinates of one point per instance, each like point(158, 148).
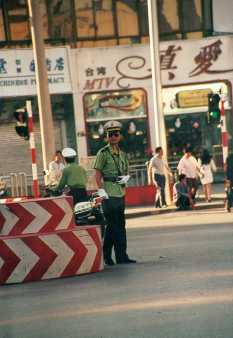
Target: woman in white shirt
point(207, 167)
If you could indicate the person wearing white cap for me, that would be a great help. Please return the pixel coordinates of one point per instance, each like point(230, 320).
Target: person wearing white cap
point(111, 167)
point(73, 176)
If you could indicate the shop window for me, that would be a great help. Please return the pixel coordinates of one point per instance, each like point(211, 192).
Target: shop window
point(85, 18)
point(2, 32)
point(185, 17)
point(192, 129)
point(194, 35)
point(17, 17)
point(44, 20)
point(60, 19)
point(127, 106)
point(191, 15)
point(127, 19)
point(168, 16)
point(143, 17)
point(104, 19)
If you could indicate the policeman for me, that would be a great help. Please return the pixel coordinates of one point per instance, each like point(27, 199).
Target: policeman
point(111, 167)
point(74, 176)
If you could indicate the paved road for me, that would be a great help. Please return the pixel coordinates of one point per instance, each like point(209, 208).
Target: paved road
point(181, 287)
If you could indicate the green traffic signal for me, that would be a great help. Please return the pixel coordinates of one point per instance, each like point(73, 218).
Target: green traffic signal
point(214, 113)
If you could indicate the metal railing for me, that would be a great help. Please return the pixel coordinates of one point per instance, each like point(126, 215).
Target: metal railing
point(20, 184)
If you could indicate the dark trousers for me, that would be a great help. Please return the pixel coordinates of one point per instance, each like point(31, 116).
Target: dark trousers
point(161, 181)
point(183, 203)
point(78, 194)
point(229, 194)
point(115, 233)
point(192, 184)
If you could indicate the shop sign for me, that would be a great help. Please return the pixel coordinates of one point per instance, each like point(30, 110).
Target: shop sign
point(181, 62)
point(192, 98)
point(17, 72)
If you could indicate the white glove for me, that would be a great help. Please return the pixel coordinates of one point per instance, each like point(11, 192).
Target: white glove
point(102, 193)
point(123, 179)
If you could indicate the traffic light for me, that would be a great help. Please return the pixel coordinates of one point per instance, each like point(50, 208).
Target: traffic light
point(214, 113)
point(21, 127)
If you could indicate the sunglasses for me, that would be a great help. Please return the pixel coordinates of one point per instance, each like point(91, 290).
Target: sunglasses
point(113, 133)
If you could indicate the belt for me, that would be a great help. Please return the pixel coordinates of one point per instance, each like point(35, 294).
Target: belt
point(110, 179)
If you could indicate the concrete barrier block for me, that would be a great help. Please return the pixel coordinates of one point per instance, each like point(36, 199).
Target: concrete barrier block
point(42, 215)
point(43, 256)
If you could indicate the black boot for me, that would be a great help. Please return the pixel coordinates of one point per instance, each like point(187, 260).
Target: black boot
point(109, 261)
point(125, 260)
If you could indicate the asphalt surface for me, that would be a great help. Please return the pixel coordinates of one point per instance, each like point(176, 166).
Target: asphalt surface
point(182, 286)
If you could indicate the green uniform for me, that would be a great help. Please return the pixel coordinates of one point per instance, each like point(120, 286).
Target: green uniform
point(112, 165)
point(73, 176)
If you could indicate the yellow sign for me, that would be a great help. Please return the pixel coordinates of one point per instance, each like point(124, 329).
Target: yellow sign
point(193, 98)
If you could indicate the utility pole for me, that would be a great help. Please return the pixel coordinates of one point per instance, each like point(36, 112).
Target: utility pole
point(159, 136)
point(44, 103)
point(158, 116)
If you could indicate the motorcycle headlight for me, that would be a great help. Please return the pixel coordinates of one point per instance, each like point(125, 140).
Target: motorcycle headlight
point(83, 209)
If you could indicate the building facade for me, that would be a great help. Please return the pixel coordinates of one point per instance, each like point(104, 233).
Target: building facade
point(104, 73)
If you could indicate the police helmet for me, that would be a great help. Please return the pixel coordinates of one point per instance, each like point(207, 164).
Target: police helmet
point(112, 126)
point(68, 152)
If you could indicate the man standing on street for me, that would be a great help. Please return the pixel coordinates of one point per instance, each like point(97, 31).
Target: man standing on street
point(157, 173)
point(111, 167)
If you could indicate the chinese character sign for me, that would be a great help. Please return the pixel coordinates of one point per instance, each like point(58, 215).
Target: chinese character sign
point(18, 77)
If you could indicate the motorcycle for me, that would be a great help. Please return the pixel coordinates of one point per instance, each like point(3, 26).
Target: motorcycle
point(86, 212)
point(91, 211)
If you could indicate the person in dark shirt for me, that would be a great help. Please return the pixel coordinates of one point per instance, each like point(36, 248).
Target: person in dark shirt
point(229, 181)
point(182, 197)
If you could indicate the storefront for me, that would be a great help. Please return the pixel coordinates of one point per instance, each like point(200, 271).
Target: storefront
point(185, 110)
point(115, 83)
point(108, 89)
point(17, 84)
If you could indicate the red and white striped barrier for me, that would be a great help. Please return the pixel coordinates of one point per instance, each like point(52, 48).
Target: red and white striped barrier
point(12, 199)
point(62, 253)
point(42, 215)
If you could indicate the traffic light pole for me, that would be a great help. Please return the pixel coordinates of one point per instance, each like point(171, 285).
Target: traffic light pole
point(224, 134)
point(36, 190)
point(45, 113)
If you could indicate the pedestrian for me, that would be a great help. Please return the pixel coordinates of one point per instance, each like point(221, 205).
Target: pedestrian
point(73, 176)
point(189, 167)
point(181, 196)
point(111, 167)
point(55, 169)
point(158, 168)
point(207, 167)
point(229, 182)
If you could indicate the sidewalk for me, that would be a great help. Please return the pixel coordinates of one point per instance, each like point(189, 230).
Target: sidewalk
point(218, 197)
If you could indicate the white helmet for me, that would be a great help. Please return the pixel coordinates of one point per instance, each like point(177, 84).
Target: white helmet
point(68, 152)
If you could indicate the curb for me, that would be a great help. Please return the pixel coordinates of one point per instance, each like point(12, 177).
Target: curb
point(154, 211)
